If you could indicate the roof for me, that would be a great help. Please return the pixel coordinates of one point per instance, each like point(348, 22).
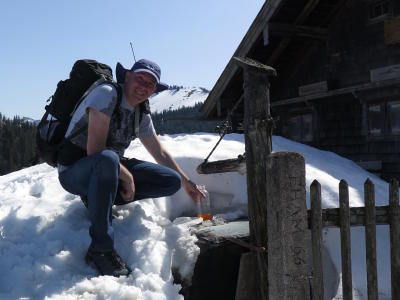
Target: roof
point(281, 29)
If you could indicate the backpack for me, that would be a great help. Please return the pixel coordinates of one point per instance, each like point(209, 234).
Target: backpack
point(85, 76)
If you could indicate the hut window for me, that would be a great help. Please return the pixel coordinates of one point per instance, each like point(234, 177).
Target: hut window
point(379, 9)
point(384, 118)
point(394, 117)
point(300, 128)
point(376, 119)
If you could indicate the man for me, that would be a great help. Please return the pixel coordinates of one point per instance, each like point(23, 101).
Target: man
point(103, 175)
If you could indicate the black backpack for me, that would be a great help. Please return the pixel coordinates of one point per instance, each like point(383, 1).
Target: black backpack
point(84, 76)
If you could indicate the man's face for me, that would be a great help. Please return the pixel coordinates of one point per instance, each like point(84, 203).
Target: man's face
point(139, 86)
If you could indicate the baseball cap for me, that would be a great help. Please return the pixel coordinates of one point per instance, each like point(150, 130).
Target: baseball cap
point(142, 65)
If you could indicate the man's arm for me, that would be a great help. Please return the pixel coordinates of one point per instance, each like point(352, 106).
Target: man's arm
point(163, 157)
point(98, 128)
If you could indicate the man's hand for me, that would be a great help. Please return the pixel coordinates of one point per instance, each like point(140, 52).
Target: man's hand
point(193, 190)
point(127, 190)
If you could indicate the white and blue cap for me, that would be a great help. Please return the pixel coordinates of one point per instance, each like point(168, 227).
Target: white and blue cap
point(142, 65)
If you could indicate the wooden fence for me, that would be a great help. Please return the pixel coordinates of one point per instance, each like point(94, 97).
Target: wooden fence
point(344, 217)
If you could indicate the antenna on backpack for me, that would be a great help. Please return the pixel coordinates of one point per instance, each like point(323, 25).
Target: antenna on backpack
point(133, 52)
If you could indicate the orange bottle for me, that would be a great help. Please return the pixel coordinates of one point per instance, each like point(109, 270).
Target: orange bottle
point(203, 205)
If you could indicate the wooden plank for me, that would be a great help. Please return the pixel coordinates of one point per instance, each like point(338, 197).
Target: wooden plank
point(287, 227)
point(219, 114)
point(345, 240)
point(394, 237)
point(258, 145)
point(307, 10)
point(341, 91)
point(370, 240)
point(248, 283)
point(331, 216)
point(313, 88)
point(316, 240)
point(266, 35)
point(223, 166)
point(385, 73)
point(292, 30)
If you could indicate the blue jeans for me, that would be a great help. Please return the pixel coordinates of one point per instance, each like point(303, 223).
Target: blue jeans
point(96, 176)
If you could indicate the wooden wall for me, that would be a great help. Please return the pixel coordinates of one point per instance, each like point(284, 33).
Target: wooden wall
point(355, 46)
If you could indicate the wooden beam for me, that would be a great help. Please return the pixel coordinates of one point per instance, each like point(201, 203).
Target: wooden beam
point(331, 216)
point(316, 240)
point(346, 90)
point(258, 144)
point(288, 243)
point(292, 30)
point(345, 240)
point(223, 166)
point(313, 47)
point(307, 10)
point(256, 28)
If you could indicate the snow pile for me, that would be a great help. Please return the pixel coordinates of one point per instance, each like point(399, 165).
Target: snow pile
point(177, 98)
point(44, 234)
point(44, 230)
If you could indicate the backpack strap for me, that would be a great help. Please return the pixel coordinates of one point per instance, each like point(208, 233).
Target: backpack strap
point(97, 83)
point(137, 120)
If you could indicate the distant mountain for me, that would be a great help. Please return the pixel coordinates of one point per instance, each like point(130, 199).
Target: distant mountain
point(177, 97)
point(30, 121)
point(177, 110)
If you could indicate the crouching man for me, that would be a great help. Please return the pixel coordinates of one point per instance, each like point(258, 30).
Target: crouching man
point(114, 115)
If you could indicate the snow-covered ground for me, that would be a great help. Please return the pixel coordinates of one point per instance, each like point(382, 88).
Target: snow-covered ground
point(44, 230)
point(177, 98)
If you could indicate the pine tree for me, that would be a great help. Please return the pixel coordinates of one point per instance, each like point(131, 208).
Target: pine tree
point(17, 144)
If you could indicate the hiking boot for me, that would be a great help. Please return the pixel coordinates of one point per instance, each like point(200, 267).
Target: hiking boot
point(107, 263)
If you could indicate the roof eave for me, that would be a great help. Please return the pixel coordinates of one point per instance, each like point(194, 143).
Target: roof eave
point(244, 47)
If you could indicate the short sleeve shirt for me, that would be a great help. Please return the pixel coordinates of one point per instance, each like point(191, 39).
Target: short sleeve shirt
point(122, 130)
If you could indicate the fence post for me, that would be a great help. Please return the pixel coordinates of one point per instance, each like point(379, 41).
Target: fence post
point(345, 240)
point(287, 227)
point(370, 239)
point(316, 240)
point(394, 212)
point(258, 144)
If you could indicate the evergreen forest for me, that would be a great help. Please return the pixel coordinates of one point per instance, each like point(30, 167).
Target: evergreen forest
point(18, 141)
point(17, 144)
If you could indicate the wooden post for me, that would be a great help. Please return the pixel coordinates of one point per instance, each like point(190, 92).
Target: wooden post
point(258, 145)
point(287, 227)
point(345, 241)
point(370, 239)
point(248, 286)
point(316, 240)
point(394, 213)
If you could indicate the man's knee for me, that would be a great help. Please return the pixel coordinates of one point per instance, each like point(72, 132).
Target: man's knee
point(108, 163)
point(173, 183)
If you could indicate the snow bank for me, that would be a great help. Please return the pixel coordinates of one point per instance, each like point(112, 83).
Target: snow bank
point(44, 230)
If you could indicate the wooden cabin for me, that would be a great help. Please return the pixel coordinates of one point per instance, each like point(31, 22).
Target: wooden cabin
point(338, 83)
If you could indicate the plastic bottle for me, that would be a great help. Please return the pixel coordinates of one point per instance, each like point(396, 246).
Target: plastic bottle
point(203, 205)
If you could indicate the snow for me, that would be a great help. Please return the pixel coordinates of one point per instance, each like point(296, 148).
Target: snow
point(44, 229)
point(177, 98)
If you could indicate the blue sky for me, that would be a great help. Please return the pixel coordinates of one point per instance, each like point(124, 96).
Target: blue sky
point(192, 41)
